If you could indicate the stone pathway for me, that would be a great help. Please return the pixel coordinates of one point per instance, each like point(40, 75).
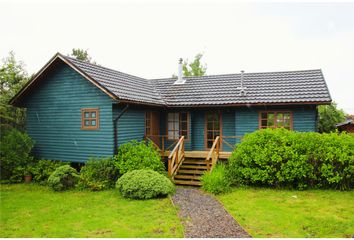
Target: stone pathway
point(204, 216)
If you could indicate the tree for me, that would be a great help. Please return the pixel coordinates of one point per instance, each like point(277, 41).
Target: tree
point(194, 68)
point(13, 77)
point(81, 55)
point(328, 117)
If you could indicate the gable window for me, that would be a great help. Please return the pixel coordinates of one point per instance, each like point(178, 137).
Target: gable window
point(177, 125)
point(275, 119)
point(90, 119)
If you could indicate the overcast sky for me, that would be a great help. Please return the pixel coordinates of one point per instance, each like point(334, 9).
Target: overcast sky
point(147, 38)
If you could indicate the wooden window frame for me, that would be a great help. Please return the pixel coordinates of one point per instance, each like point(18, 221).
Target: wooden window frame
point(148, 114)
point(179, 125)
point(275, 118)
point(206, 128)
point(83, 119)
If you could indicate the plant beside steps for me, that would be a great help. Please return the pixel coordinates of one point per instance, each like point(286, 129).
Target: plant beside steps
point(190, 172)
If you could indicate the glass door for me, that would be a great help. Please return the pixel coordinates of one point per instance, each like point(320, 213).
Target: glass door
point(212, 127)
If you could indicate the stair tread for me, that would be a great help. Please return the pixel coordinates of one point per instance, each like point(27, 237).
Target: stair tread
point(180, 176)
point(190, 171)
point(193, 167)
point(194, 162)
point(184, 182)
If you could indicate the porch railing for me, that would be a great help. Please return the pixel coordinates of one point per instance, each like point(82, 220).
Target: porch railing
point(176, 158)
point(225, 141)
point(161, 142)
point(213, 154)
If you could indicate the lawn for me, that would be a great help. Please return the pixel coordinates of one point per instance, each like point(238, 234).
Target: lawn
point(35, 211)
point(283, 213)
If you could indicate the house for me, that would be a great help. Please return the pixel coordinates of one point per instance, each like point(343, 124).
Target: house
point(347, 126)
point(77, 110)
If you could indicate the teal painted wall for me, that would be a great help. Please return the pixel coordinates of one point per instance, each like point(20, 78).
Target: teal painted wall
point(54, 117)
point(131, 125)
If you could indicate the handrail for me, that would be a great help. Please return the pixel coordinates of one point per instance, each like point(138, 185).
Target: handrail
point(226, 142)
point(161, 140)
point(213, 154)
point(176, 158)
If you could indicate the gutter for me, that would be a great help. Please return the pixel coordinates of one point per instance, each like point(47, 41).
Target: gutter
point(115, 127)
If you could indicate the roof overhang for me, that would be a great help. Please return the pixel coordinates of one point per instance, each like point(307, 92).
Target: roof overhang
point(16, 100)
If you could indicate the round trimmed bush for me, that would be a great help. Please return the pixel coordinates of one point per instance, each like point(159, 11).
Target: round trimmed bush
point(144, 184)
point(98, 174)
point(136, 155)
point(63, 178)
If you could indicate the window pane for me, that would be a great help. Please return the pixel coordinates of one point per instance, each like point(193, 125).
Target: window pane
point(209, 144)
point(264, 115)
point(210, 125)
point(176, 127)
point(170, 126)
point(170, 116)
point(176, 117)
point(87, 114)
point(170, 134)
point(210, 135)
point(270, 120)
point(264, 123)
point(87, 123)
point(184, 116)
point(280, 116)
point(93, 123)
point(183, 125)
point(93, 114)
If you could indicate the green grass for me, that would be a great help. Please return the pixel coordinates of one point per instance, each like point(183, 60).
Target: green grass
point(283, 213)
point(35, 211)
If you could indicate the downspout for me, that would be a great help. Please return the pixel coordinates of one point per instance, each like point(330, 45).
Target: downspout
point(115, 126)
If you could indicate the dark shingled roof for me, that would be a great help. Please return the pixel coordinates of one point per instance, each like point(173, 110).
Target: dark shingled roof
point(262, 88)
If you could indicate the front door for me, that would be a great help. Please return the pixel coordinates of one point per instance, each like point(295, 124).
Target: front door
point(152, 126)
point(212, 128)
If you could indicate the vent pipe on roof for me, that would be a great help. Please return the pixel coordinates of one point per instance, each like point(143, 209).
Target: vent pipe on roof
point(180, 79)
point(242, 88)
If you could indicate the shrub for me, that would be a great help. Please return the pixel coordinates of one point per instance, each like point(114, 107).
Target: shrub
point(43, 169)
point(144, 184)
point(217, 181)
point(136, 155)
point(98, 174)
point(63, 178)
point(15, 151)
point(282, 158)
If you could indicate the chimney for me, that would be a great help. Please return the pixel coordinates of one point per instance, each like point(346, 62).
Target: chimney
point(180, 79)
point(242, 88)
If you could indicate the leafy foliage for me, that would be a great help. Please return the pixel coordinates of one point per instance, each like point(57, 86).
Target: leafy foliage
point(194, 68)
point(15, 151)
point(217, 181)
point(328, 117)
point(43, 169)
point(282, 158)
point(13, 76)
point(63, 178)
point(98, 174)
point(136, 155)
point(82, 55)
point(144, 184)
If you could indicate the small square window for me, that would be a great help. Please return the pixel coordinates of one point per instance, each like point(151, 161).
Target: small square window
point(89, 119)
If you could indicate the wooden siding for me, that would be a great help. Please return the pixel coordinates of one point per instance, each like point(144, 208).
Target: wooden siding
point(54, 117)
point(131, 125)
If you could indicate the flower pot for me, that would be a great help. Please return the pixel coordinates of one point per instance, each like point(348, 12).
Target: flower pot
point(28, 179)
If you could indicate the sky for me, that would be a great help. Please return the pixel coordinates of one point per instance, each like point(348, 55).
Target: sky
point(146, 38)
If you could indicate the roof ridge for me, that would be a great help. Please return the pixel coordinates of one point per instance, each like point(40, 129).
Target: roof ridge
point(245, 73)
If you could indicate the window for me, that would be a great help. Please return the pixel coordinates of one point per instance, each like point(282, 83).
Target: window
point(275, 119)
point(147, 123)
point(177, 125)
point(90, 119)
point(213, 127)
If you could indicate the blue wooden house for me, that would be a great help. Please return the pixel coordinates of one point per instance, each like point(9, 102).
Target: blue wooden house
point(77, 110)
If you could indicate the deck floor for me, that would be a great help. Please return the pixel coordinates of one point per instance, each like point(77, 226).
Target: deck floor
point(199, 154)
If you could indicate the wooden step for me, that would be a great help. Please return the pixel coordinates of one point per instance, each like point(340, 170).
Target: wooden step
point(189, 177)
point(192, 161)
point(193, 167)
point(196, 172)
point(187, 183)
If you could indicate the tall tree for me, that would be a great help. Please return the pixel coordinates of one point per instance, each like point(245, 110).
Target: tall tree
point(328, 117)
point(195, 68)
point(81, 54)
point(13, 76)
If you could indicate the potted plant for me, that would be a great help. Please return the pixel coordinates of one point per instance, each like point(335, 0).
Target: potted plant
point(27, 173)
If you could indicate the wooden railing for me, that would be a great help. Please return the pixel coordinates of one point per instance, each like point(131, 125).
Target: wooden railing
point(176, 158)
point(213, 154)
point(225, 141)
point(161, 141)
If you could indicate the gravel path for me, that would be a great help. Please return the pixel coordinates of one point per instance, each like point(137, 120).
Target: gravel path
point(204, 216)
